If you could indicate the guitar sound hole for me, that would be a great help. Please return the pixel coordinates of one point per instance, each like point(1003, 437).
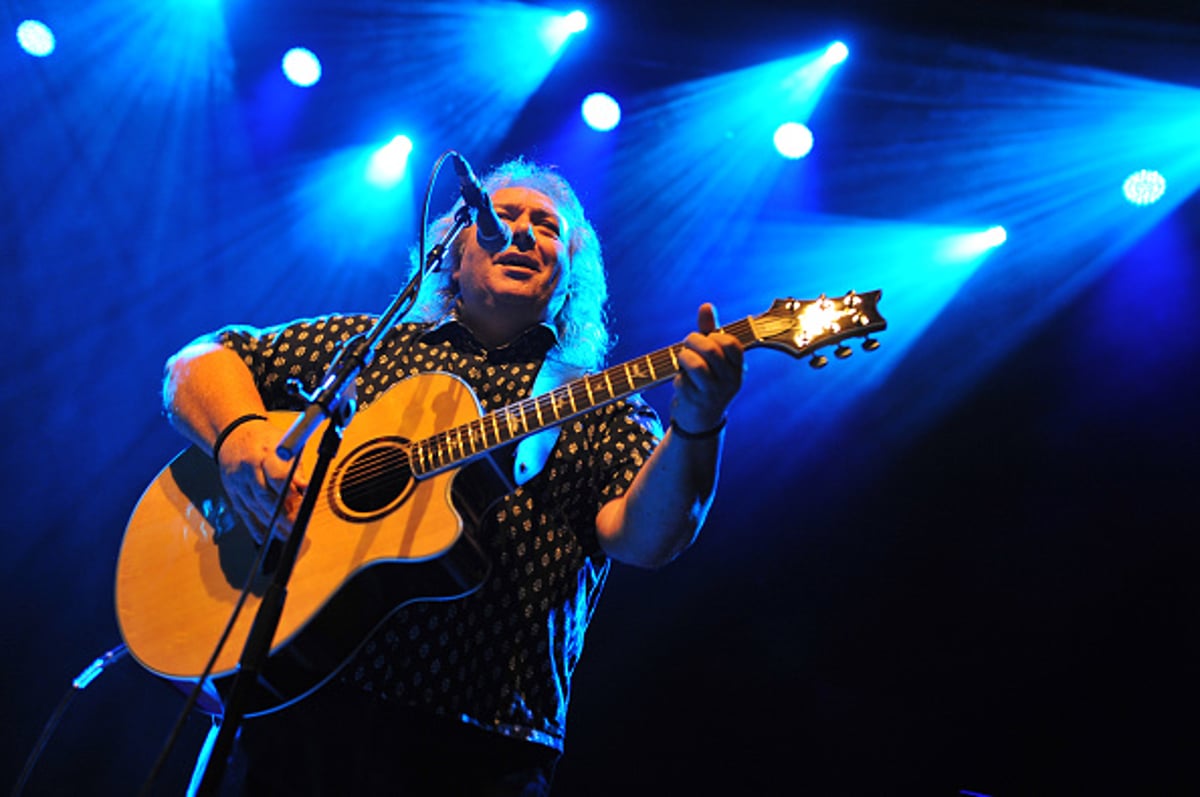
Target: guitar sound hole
point(372, 480)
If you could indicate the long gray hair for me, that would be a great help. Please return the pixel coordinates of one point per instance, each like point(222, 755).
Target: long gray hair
point(582, 322)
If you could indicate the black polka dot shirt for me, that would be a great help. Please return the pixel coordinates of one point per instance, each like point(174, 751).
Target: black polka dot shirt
point(502, 657)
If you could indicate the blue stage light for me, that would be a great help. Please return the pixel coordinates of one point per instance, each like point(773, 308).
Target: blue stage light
point(601, 112)
point(575, 22)
point(836, 53)
point(389, 163)
point(301, 67)
point(993, 237)
point(1144, 187)
point(35, 38)
point(968, 247)
point(557, 29)
point(793, 140)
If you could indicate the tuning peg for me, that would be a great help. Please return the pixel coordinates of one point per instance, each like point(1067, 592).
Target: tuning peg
point(818, 361)
point(870, 344)
point(843, 351)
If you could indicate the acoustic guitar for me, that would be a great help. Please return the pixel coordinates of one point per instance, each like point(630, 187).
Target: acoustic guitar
point(394, 521)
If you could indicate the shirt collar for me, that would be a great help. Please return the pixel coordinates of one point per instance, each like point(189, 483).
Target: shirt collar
point(539, 338)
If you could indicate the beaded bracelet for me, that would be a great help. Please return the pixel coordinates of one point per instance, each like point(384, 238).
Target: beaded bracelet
point(235, 423)
point(705, 435)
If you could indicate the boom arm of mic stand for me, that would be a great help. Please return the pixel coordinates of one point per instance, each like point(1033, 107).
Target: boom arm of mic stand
point(333, 398)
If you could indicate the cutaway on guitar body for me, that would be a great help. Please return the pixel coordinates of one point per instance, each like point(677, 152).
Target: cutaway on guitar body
point(379, 538)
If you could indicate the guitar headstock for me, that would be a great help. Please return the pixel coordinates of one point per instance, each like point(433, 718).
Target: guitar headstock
point(801, 326)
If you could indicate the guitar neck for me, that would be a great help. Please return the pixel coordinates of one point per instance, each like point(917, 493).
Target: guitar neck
point(453, 447)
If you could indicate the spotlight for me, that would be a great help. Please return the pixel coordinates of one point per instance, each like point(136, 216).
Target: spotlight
point(559, 28)
point(301, 67)
point(1144, 187)
point(388, 164)
point(793, 140)
point(601, 112)
point(35, 38)
point(575, 22)
point(836, 53)
point(993, 237)
point(966, 247)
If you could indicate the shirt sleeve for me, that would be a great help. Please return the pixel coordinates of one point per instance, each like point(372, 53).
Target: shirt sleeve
point(299, 350)
point(622, 437)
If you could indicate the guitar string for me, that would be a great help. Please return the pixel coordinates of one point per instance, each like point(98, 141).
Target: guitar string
point(449, 448)
point(445, 449)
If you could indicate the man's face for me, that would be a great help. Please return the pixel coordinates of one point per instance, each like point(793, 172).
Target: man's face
point(525, 282)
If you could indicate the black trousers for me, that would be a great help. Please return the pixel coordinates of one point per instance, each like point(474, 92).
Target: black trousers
point(339, 741)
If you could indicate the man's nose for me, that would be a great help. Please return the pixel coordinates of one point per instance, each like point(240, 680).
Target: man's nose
point(523, 235)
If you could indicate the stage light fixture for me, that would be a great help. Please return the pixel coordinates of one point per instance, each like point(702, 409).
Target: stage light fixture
point(302, 67)
point(993, 237)
point(601, 112)
point(389, 163)
point(1144, 187)
point(968, 247)
point(836, 53)
point(35, 38)
point(793, 140)
point(575, 22)
point(560, 27)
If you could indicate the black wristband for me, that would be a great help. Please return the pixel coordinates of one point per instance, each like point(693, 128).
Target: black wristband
point(705, 435)
point(235, 423)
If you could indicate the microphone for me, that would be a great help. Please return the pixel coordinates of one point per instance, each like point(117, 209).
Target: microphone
point(492, 234)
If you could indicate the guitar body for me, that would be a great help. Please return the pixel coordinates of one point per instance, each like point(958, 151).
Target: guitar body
point(378, 539)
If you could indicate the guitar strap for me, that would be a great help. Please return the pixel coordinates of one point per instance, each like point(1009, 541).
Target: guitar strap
point(532, 452)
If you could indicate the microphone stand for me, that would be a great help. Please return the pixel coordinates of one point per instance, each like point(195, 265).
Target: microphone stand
point(334, 399)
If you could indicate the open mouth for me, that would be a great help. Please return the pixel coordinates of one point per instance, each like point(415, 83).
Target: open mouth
point(519, 261)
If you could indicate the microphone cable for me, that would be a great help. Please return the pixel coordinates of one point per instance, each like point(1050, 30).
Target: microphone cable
point(80, 683)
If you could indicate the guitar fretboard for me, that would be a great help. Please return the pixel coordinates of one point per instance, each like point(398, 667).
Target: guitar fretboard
point(453, 447)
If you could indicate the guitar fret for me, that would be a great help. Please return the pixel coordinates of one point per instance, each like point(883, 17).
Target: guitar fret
point(446, 448)
point(667, 360)
point(502, 425)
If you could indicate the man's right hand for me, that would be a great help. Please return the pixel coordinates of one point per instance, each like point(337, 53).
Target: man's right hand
point(254, 477)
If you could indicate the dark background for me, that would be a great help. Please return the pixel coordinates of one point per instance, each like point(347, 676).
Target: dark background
point(963, 563)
